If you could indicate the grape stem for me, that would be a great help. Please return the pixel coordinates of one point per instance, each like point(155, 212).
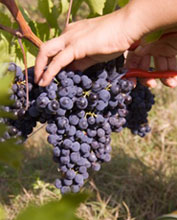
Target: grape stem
point(138, 73)
point(69, 13)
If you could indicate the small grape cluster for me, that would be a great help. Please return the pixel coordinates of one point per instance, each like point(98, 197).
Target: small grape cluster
point(137, 118)
point(81, 111)
point(22, 124)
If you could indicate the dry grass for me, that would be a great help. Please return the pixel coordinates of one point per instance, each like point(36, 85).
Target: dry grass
point(139, 183)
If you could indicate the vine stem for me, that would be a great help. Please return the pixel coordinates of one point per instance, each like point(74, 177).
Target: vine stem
point(69, 13)
point(16, 33)
point(26, 73)
point(25, 31)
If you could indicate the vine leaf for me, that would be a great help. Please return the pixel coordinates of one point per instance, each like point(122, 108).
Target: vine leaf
point(10, 152)
point(153, 36)
point(63, 209)
point(64, 6)
point(110, 6)
point(122, 3)
point(49, 11)
point(96, 7)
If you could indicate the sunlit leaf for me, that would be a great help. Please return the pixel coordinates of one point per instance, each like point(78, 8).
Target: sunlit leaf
point(5, 83)
point(96, 7)
point(64, 6)
point(63, 209)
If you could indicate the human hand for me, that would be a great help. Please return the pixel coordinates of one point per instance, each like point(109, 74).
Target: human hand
point(85, 42)
point(164, 52)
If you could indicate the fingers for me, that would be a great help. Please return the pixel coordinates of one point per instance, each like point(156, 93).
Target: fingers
point(58, 62)
point(166, 64)
point(47, 50)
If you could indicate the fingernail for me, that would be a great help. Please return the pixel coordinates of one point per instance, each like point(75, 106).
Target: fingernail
point(41, 82)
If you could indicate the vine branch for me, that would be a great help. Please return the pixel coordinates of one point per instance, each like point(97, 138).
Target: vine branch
point(25, 31)
point(16, 33)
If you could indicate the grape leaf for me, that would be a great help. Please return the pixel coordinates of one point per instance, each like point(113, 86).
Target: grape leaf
point(64, 6)
point(63, 209)
point(97, 6)
point(43, 31)
point(49, 11)
point(110, 6)
point(5, 83)
point(10, 152)
point(153, 36)
point(122, 3)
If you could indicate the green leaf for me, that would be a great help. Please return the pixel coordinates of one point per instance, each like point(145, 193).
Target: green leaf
point(97, 6)
point(2, 213)
point(153, 36)
point(42, 31)
point(122, 3)
point(49, 11)
point(64, 6)
point(10, 152)
point(5, 83)
point(110, 6)
point(75, 6)
point(63, 209)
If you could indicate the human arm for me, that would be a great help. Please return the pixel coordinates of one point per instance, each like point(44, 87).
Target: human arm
point(103, 38)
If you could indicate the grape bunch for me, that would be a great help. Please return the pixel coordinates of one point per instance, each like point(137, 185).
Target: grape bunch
point(137, 118)
point(81, 110)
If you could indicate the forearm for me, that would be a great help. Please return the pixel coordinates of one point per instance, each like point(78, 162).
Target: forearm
point(148, 15)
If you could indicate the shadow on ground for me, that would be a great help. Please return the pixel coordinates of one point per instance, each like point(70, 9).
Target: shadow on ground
point(146, 193)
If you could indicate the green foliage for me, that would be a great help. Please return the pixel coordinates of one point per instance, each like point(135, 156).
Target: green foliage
point(153, 36)
point(2, 214)
point(49, 12)
point(122, 3)
point(96, 7)
point(63, 209)
point(10, 153)
point(110, 6)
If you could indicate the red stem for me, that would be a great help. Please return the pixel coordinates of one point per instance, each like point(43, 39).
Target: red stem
point(137, 73)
